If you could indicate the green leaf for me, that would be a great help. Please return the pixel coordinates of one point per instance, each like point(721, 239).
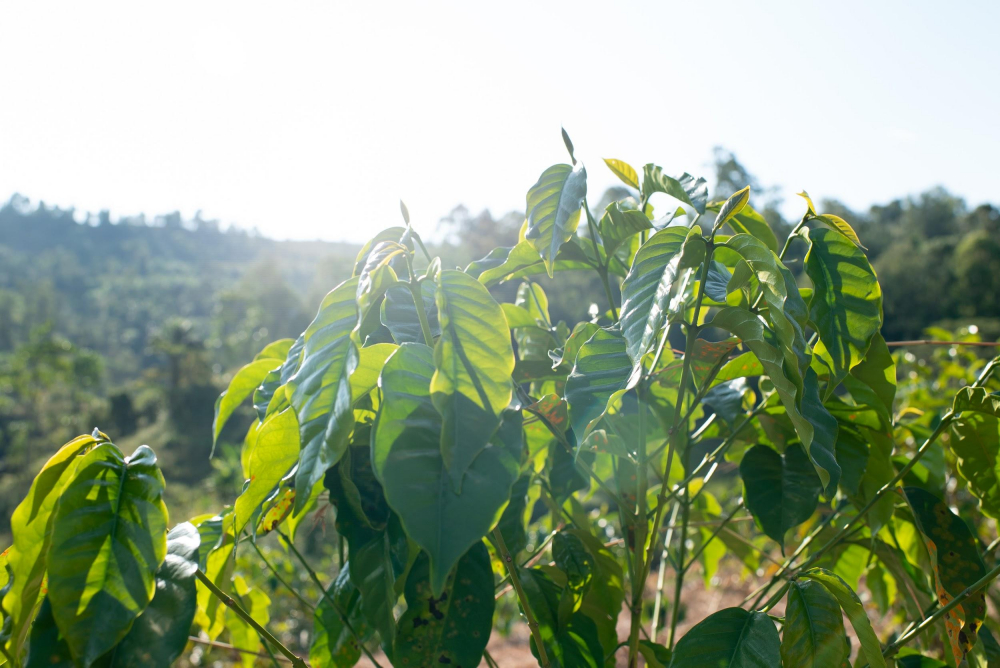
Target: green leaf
point(569, 643)
point(957, 565)
point(656, 656)
point(810, 209)
point(274, 453)
point(685, 187)
point(31, 525)
point(320, 390)
point(567, 354)
point(240, 387)
point(270, 397)
point(782, 490)
point(851, 605)
point(877, 375)
point(406, 454)
point(242, 635)
point(569, 144)
point(507, 264)
point(618, 224)
point(731, 207)
point(377, 545)
point(370, 362)
point(532, 298)
point(729, 638)
point(623, 171)
point(160, 634)
point(572, 558)
point(377, 275)
point(157, 637)
point(839, 224)
point(511, 524)
point(390, 234)
point(918, 661)
point(451, 627)
point(813, 634)
point(846, 306)
point(879, 471)
point(108, 540)
point(473, 361)
point(815, 426)
point(852, 457)
point(399, 315)
point(553, 210)
point(646, 289)
point(749, 221)
point(977, 399)
point(976, 444)
point(599, 377)
point(333, 643)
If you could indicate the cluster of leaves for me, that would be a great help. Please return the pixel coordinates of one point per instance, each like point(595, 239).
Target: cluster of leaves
point(444, 426)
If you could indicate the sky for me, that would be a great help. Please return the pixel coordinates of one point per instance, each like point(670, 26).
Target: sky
point(310, 120)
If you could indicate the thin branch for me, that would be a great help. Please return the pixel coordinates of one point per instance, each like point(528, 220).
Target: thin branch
point(929, 342)
point(515, 579)
point(245, 616)
point(232, 648)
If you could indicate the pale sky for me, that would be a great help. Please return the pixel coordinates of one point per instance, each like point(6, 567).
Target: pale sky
point(311, 120)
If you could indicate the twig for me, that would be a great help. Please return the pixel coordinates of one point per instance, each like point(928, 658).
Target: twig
point(515, 579)
point(245, 616)
point(929, 342)
point(232, 648)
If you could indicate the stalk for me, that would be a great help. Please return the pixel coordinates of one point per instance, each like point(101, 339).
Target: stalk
point(957, 601)
point(245, 616)
point(603, 270)
point(641, 522)
point(418, 302)
point(681, 570)
point(515, 579)
point(661, 576)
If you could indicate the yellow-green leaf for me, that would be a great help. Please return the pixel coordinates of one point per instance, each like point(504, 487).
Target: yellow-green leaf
point(623, 171)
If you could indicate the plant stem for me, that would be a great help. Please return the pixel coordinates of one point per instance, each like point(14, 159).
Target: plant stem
point(274, 571)
point(231, 648)
point(641, 526)
point(416, 292)
point(944, 610)
point(515, 579)
point(602, 269)
point(245, 616)
point(263, 641)
point(681, 570)
point(326, 595)
point(661, 575)
point(704, 543)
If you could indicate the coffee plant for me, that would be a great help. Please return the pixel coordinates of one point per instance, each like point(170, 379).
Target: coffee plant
point(478, 452)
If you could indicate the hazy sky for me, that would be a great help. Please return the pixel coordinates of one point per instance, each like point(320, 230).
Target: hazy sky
point(311, 120)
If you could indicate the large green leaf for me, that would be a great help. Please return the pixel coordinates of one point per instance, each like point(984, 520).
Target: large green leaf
point(748, 221)
point(646, 289)
point(160, 634)
point(108, 540)
point(879, 471)
point(851, 605)
point(957, 565)
point(370, 362)
point(333, 643)
point(729, 638)
point(511, 524)
point(473, 361)
point(873, 381)
point(571, 641)
point(450, 628)
point(508, 264)
point(31, 525)
point(782, 490)
point(813, 634)
point(977, 399)
point(976, 444)
point(406, 454)
point(244, 382)
point(846, 306)
point(685, 187)
point(320, 390)
point(274, 452)
point(271, 397)
point(815, 426)
point(399, 314)
point(600, 374)
point(389, 234)
point(619, 223)
point(553, 209)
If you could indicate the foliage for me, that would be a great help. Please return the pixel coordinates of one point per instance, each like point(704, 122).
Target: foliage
point(471, 443)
